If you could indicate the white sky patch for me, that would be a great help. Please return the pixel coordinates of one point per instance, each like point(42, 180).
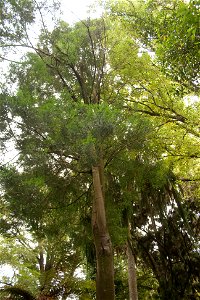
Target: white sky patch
point(144, 50)
point(76, 10)
point(191, 99)
point(6, 271)
point(79, 273)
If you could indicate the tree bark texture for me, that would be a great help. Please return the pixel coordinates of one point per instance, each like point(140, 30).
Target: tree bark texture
point(132, 277)
point(105, 289)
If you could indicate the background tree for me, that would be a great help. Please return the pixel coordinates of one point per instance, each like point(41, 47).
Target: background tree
point(47, 252)
point(171, 30)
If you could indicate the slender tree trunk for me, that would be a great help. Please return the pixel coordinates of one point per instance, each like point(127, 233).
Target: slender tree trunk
point(41, 257)
point(132, 277)
point(105, 289)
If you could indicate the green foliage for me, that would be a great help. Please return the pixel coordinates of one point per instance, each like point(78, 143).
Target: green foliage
point(171, 30)
point(15, 15)
point(146, 283)
point(165, 238)
point(15, 293)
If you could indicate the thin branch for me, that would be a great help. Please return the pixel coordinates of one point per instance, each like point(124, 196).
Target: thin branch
point(94, 56)
point(81, 83)
point(15, 45)
point(10, 60)
point(189, 179)
point(9, 160)
point(84, 193)
point(41, 16)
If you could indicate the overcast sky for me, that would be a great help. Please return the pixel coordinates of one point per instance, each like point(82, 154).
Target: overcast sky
point(73, 10)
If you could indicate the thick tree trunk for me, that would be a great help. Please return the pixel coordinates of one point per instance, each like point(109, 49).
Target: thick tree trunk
point(105, 289)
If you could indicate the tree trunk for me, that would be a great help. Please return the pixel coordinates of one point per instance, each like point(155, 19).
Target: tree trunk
point(105, 289)
point(41, 257)
point(132, 278)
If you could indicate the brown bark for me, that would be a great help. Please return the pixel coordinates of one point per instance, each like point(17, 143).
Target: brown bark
point(41, 257)
point(132, 277)
point(104, 255)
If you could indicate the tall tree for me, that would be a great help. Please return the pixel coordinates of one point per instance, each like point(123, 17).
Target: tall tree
point(62, 111)
point(84, 102)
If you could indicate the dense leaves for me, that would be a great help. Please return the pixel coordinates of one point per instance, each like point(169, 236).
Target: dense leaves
point(15, 15)
point(171, 30)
